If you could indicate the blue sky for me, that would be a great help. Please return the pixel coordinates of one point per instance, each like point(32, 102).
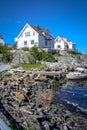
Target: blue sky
point(67, 18)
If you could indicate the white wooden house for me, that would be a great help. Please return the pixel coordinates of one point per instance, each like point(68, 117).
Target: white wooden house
point(61, 43)
point(34, 35)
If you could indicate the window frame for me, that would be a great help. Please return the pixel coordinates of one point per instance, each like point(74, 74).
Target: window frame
point(25, 43)
point(27, 34)
point(58, 46)
point(32, 42)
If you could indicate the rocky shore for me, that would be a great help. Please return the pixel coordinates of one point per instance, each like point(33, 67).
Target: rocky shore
point(28, 101)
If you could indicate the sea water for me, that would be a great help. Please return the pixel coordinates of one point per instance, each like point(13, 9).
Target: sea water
point(73, 94)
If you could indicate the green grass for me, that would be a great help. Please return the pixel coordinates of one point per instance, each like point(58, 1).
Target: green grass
point(8, 74)
point(30, 66)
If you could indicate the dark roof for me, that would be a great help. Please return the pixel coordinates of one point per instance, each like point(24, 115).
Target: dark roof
point(38, 29)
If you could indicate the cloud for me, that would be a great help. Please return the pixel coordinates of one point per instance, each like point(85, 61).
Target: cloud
point(19, 22)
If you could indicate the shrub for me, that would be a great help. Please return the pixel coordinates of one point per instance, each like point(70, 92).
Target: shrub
point(6, 53)
point(25, 48)
point(3, 49)
point(35, 53)
point(47, 57)
point(40, 54)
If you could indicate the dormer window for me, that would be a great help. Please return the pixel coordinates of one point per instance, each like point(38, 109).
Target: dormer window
point(27, 34)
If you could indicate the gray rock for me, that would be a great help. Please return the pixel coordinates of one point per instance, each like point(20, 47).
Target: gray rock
point(46, 125)
point(21, 56)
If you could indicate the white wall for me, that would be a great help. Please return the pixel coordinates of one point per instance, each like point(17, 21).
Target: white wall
point(57, 43)
point(63, 45)
point(22, 38)
point(39, 40)
point(71, 46)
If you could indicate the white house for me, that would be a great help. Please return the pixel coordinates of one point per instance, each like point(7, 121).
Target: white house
point(2, 42)
point(34, 35)
point(61, 43)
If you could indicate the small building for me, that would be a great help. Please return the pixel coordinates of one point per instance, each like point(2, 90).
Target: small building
point(2, 42)
point(61, 43)
point(34, 35)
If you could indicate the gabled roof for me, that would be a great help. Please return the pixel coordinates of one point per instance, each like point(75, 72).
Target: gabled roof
point(65, 40)
point(36, 29)
point(23, 29)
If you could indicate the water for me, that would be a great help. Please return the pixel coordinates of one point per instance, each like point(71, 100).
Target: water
point(75, 94)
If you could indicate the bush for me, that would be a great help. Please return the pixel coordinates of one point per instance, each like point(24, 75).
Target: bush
point(35, 53)
point(6, 53)
point(40, 54)
point(3, 49)
point(47, 57)
point(25, 48)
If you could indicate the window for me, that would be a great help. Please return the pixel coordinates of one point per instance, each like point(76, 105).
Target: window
point(59, 40)
point(27, 34)
point(25, 43)
point(58, 46)
point(46, 43)
point(33, 33)
point(32, 41)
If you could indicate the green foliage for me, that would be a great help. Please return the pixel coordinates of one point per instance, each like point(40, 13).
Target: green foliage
point(3, 49)
point(15, 46)
point(25, 48)
point(40, 54)
point(57, 55)
point(6, 53)
point(7, 57)
point(35, 53)
point(29, 66)
point(13, 127)
point(31, 59)
point(47, 57)
point(8, 74)
point(32, 120)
